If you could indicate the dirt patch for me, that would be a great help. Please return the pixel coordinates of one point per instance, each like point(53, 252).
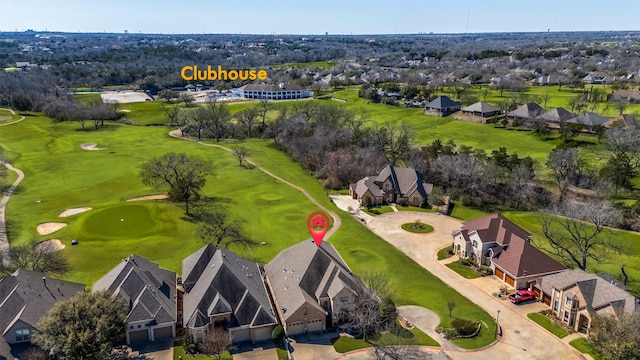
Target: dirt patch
point(74, 211)
point(149, 197)
point(48, 228)
point(50, 245)
point(3, 118)
point(91, 147)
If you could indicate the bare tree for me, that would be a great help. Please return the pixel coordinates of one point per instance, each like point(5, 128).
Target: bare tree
point(623, 155)
point(218, 230)
point(216, 343)
point(217, 119)
point(172, 112)
point(263, 106)
point(617, 337)
point(578, 232)
point(247, 119)
point(396, 348)
point(182, 174)
point(33, 256)
point(563, 163)
point(451, 304)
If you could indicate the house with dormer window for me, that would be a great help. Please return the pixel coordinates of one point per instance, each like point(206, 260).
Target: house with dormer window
point(391, 184)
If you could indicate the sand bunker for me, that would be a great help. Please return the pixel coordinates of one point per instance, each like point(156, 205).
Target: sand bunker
point(122, 97)
point(48, 228)
point(92, 146)
point(149, 197)
point(125, 110)
point(3, 118)
point(50, 245)
point(74, 211)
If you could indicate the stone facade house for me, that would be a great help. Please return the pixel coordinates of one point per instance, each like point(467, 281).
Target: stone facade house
point(441, 106)
point(390, 185)
point(575, 296)
point(224, 290)
point(26, 297)
point(151, 295)
point(311, 286)
point(495, 241)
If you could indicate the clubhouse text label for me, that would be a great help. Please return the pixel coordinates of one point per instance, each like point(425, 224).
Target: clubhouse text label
point(189, 73)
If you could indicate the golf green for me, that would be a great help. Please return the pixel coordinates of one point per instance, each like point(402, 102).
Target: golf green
point(120, 220)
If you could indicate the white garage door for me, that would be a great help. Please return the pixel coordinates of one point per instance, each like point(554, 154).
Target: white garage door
point(263, 333)
point(314, 325)
point(240, 335)
point(295, 328)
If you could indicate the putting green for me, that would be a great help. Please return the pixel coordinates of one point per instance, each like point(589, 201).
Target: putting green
point(120, 221)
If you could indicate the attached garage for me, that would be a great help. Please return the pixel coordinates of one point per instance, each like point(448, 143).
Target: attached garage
point(546, 299)
point(239, 335)
point(509, 280)
point(262, 333)
point(500, 274)
point(295, 328)
point(314, 325)
point(138, 336)
point(163, 333)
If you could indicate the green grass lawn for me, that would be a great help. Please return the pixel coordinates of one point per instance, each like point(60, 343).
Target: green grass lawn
point(6, 112)
point(546, 323)
point(465, 213)
point(586, 347)
point(178, 351)
point(378, 210)
point(444, 253)
point(418, 228)
point(463, 270)
point(398, 335)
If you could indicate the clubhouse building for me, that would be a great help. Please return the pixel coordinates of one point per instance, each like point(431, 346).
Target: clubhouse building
point(274, 92)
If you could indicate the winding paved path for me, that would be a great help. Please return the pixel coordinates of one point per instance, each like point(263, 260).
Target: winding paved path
point(336, 219)
point(13, 122)
point(4, 240)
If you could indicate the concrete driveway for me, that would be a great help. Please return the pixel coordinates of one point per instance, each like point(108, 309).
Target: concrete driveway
point(522, 339)
point(346, 202)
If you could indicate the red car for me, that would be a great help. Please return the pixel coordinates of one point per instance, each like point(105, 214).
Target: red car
point(522, 296)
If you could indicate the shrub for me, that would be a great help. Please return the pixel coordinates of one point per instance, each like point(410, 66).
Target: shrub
point(485, 270)
point(402, 202)
point(465, 327)
point(278, 335)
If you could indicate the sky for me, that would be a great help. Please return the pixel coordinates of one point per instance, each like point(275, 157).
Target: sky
point(318, 16)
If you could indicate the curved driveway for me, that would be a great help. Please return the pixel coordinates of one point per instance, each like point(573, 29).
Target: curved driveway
point(521, 338)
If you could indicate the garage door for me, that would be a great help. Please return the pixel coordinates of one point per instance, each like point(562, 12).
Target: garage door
point(163, 333)
point(262, 333)
point(546, 299)
point(295, 328)
point(240, 335)
point(499, 274)
point(139, 336)
point(509, 280)
point(314, 325)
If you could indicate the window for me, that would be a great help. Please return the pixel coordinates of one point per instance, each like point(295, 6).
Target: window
point(23, 335)
point(555, 305)
point(566, 317)
point(475, 243)
point(415, 199)
point(567, 302)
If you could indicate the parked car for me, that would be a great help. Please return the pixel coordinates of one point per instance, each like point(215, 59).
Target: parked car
point(522, 296)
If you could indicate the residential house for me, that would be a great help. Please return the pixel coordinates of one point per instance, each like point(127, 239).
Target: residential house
point(26, 297)
point(622, 120)
point(575, 296)
point(632, 96)
point(556, 116)
point(598, 77)
point(589, 120)
point(390, 185)
point(311, 286)
point(223, 290)
point(441, 106)
point(548, 80)
point(273, 92)
point(150, 293)
point(495, 241)
point(527, 112)
point(481, 109)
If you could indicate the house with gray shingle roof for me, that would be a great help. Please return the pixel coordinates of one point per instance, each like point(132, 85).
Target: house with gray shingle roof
point(481, 109)
point(25, 297)
point(558, 115)
point(151, 295)
point(224, 290)
point(391, 184)
point(441, 106)
point(589, 120)
point(575, 296)
point(311, 286)
point(495, 241)
point(526, 112)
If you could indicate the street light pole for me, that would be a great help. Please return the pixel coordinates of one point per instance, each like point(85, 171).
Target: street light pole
point(497, 323)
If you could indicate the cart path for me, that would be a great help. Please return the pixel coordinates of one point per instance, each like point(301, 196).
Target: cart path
point(4, 239)
point(337, 222)
point(13, 122)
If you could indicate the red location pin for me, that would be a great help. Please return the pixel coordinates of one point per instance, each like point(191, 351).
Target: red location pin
point(318, 223)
